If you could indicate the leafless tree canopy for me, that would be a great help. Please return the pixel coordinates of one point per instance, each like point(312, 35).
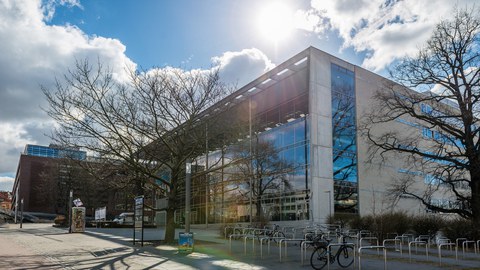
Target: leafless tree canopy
point(444, 111)
point(262, 171)
point(149, 124)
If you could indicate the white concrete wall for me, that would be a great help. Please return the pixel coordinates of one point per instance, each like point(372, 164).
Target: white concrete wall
point(321, 165)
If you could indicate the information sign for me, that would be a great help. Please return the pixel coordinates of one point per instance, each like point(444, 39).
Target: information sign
point(138, 220)
point(185, 242)
point(78, 219)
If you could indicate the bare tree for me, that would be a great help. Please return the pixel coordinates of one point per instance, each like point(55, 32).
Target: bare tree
point(261, 170)
point(150, 125)
point(447, 115)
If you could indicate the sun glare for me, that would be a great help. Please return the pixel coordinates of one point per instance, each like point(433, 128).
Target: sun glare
point(275, 22)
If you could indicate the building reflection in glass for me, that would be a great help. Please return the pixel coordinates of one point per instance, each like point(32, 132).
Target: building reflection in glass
point(344, 140)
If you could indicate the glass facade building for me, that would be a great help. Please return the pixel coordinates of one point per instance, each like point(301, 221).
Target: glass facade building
point(53, 151)
point(344, 140)
point(299, 155)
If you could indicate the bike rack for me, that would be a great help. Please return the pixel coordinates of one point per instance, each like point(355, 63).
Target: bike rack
point(234, 235)
point(465, 244)
point(268, 239)
point(245, 238)
point(440, 250)
point(416, 242)
point(232, 228)
point(286, 241)
point(401, 237)
point(395, 244)
point(409, 236)
point(339, 244)
point(372, 247)
point(303, 250)
point(368, 238)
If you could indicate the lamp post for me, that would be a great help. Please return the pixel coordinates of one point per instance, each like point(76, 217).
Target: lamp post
point(188, 180)
point(21, 213)
point(70, 199)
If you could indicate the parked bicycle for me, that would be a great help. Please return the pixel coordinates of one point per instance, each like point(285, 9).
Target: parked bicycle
point(344, 254)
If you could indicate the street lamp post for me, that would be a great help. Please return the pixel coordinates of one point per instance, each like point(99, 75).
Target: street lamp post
point(188, 184)
point(70, 199)
point(21, 213)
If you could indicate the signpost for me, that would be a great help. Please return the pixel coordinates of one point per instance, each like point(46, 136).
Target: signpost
point(138, 218)
point(185, 242)
point(78, 219)
point(100, 215)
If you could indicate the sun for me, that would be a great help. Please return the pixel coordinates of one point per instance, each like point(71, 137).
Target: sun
point(275, 22)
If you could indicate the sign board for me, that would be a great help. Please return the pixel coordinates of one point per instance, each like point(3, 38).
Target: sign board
point(78, 219)
point(185, 242)
point(101, 213)
point(138, 219)
point(77, 202)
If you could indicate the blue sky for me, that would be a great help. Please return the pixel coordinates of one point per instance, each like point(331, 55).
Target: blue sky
point(189, 33)
point(42, 38)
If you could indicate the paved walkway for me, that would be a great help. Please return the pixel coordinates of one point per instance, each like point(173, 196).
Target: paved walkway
point(41, 246)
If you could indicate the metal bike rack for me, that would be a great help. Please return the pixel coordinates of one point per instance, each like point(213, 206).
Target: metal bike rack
point(395, 244)
point(440, 250)
point(339, 244)
point(303, 249)
point(409, 236)
point(234, 235)
point(416, 242)
point(401, 237)
point(286, 241)
point(245, 238)
point(460, 239)
point(465, 245)
point(372, 247)
point(368, 238)
point(268, 239)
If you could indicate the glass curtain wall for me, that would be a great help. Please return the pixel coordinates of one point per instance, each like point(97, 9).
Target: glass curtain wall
point(264, 174)
point(344, 140)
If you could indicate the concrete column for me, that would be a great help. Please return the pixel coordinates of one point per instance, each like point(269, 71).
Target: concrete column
point(321, 161)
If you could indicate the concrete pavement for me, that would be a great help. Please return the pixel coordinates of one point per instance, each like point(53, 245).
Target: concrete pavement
point(41, 246)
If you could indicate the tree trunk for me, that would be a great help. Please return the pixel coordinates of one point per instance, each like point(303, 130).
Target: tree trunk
point(475, 189)
point(259, 214)
point(170, 228)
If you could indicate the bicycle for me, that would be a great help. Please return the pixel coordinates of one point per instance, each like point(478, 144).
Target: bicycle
point(343, 256)
point(274, 233)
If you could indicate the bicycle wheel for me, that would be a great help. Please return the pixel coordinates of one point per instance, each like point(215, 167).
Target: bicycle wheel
point(318, 260)
point(345, 256)
point(236, 232)
point(278, 234)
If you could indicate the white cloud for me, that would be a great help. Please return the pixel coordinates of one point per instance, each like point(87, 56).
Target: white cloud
point(386, 30)
point(243, 66)
point(14, 137)
point(6, 183)
point(33, 54)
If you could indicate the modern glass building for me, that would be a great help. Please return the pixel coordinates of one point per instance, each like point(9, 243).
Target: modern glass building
point(296, 157)
point(300, 155)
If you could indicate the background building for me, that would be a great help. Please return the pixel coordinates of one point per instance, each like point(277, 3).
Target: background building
point(46, 174)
